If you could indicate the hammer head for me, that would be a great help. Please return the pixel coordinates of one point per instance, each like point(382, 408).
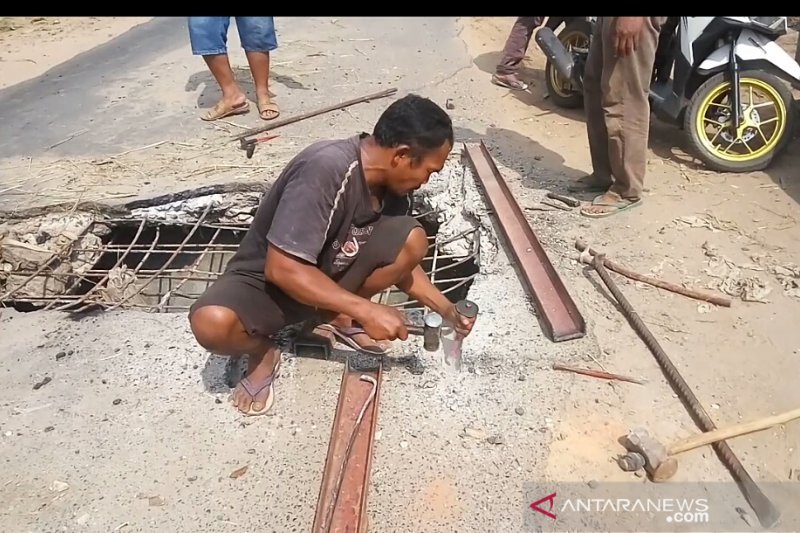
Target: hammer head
point(658, 463)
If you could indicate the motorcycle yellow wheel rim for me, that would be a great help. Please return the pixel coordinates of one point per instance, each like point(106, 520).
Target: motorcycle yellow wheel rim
point(757, 136)
point(562, 87)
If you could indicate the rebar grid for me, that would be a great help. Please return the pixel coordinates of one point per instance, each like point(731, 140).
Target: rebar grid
point(396, 298)
point(170, 288)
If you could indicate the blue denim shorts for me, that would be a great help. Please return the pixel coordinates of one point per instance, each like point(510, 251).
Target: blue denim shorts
point(209, 35)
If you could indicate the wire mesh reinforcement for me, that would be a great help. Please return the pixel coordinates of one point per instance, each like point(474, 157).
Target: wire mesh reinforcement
point(162, 266)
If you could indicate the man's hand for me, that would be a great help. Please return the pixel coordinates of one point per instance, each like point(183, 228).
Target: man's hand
point(626, 34)
point(462, 324)
point(383, 323)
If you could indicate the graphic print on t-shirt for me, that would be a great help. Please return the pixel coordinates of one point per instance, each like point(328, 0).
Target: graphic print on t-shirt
point(347, 251)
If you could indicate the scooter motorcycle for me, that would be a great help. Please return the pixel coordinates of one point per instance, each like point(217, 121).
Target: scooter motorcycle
point(698, 62)
point(576, 33)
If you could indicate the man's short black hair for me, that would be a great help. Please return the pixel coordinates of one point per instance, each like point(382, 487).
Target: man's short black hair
point(414, 121)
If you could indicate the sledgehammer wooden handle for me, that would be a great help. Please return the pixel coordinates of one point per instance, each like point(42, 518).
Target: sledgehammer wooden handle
point(709, 437)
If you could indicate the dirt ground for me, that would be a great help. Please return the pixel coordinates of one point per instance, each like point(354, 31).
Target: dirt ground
point(691, 218)
point(29, 46)
point(703, 229)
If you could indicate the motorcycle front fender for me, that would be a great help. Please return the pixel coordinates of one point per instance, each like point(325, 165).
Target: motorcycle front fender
point(754, 49)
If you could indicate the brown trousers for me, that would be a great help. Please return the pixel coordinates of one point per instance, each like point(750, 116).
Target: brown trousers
point(617, 107)
point(517, 44)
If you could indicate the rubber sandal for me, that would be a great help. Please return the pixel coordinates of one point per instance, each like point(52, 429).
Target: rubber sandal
point(618, 206)
point(269, 105)
point(254, 391)
point(588, 184)
point(513, 83)
point(346, 336)
point(220, 110)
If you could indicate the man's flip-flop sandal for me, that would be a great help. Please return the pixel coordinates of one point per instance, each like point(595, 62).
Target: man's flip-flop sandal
point(515, 84)
point(255, 390)
point(613, 207)
point(346, 336)
point(268, 106)
point(220, 110)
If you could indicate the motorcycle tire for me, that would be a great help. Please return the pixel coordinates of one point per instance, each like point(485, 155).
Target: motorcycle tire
point(575, 30)
point(747, 159)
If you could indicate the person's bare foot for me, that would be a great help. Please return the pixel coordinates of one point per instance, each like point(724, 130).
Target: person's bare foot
point(254, 394)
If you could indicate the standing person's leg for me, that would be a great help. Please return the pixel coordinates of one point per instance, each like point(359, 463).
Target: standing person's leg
point(626, 86)
point(600, 178)
point(514, 51)
point(209, 38)
point(258, 38)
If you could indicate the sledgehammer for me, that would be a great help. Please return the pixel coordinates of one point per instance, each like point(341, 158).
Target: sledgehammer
point(659, 461)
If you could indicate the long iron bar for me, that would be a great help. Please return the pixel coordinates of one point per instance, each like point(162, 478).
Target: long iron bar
point(560, 318)
point(766, 512)
point(342, 502)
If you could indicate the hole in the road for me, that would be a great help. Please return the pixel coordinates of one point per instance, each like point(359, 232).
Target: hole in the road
point(164, 266)
point(140, 264)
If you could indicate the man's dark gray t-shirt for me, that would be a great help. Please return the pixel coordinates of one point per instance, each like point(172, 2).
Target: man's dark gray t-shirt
point(315, 210)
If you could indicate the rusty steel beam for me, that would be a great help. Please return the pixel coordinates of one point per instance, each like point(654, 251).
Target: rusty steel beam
point(342, 503)
point(558, 314)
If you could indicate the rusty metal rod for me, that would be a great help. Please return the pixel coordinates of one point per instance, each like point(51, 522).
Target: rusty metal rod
point(766, 512)
point(619, 269)
point(327, 521)
point(554, 204)
point(596, 373)
point(297, 118)
point(342, 502)
point(572, 202)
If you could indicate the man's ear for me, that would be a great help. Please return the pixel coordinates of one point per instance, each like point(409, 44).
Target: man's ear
point(401, 152)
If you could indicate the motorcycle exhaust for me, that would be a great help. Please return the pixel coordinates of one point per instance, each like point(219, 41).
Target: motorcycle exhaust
point(558, 55)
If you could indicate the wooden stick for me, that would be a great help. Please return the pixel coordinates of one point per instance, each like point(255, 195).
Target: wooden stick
point(597, 373)
point(709, 437)
point(298, 118)
point(691, 293)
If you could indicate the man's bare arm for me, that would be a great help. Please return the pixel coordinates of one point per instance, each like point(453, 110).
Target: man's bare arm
point(418, 286)
point(308, 285)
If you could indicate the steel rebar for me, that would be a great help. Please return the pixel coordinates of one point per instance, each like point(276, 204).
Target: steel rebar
point(766, 512)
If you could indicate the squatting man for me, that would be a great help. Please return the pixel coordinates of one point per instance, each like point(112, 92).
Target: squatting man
point(333, 231)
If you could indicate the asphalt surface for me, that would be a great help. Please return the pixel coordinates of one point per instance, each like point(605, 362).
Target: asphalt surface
point(145, 86)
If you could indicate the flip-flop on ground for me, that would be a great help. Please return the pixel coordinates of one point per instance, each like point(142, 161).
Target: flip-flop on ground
point(608, 204)
point(356, 338)
point(222, 110)
point(268, 110)
point(262, 394)
point(509, 81)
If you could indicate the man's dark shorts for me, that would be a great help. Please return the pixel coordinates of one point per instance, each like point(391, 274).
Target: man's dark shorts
point(264, 309)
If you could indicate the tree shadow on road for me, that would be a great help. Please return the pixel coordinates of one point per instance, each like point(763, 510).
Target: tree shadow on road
point(535, 95)
point(211, 92)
